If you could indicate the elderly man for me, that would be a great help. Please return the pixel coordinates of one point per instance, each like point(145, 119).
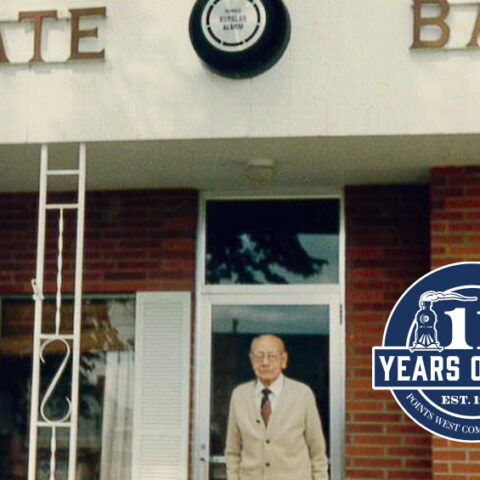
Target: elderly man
point(274, 430)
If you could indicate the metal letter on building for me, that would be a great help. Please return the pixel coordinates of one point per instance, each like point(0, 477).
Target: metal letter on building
point(70, 341)
point(3, 55)
point(438, 21)
point(473, 43)
point(77, 33)
point(37, 19)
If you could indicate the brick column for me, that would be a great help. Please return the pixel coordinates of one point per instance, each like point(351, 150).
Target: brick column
point(455, 227)
point(388, 242)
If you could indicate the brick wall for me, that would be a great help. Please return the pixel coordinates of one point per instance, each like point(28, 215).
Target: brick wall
point(455, 225)
point(387, 249)
point(145, 240)
point(134, 240)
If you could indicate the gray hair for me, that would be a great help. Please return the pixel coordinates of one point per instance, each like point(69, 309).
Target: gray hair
point(281, 345)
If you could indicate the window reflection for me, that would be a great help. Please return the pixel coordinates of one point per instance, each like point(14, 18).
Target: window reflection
point(274, 241)
point(106, 390)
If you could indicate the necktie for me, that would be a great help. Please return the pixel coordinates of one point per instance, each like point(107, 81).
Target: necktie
point(265, 406)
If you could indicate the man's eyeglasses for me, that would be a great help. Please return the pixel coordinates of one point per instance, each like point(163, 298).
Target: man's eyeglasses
point(271, 357)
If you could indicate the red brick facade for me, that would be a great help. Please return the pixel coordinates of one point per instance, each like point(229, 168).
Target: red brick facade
point(134, 240)
point(145, 240)
point(455, 225)
point(388, 240)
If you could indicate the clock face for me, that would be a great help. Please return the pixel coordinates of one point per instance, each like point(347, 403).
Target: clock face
point(233, 25)
point(239, 38)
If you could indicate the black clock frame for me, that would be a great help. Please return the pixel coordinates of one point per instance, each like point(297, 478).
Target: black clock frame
point(252, 61)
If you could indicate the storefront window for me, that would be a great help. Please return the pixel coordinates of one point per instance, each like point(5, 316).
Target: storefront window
point(106, 390)
point(273, 242)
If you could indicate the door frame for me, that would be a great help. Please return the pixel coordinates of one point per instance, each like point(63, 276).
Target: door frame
point(306, 294)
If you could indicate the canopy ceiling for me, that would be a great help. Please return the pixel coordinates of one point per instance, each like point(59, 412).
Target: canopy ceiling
point(219, 164)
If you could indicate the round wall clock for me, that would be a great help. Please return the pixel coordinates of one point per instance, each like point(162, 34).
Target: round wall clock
point(239, 38)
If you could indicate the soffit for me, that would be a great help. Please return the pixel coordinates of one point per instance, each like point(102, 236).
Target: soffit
point(219, 164)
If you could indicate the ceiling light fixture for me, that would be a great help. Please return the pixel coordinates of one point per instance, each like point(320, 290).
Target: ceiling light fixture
point(260, 170)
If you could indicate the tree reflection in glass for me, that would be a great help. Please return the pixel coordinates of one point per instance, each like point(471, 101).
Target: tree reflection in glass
point(274, 241)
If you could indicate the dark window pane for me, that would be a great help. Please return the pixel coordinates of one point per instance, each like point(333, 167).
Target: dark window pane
point(106, 389)
point(274, 241)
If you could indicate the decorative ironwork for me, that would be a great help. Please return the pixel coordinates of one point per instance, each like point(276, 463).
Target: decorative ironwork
point(54, 383)
point(59, 273)
point(64, 421)
point(38, 415)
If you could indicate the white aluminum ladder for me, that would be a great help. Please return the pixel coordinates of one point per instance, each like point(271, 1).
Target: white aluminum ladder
point(38, 417)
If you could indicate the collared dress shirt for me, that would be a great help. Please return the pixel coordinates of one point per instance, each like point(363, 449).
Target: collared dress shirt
point(275, 387)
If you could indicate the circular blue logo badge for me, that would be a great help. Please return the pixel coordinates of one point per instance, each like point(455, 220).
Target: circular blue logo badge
point(430, 356)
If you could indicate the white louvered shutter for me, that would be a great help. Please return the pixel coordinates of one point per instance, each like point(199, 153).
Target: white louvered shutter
point(162, 381)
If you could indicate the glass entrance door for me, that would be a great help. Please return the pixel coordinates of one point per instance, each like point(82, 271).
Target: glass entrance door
point(309, 327)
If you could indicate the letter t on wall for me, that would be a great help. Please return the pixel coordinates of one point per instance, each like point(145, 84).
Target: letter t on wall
point(438, 21)
point(37, 18)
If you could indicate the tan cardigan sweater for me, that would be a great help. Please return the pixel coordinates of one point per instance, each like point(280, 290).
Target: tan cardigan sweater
point(291, 447)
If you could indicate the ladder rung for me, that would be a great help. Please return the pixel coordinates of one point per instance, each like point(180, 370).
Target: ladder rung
point(62, 172)
point(52, 336)
point(55, 424)
point(58, 206)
